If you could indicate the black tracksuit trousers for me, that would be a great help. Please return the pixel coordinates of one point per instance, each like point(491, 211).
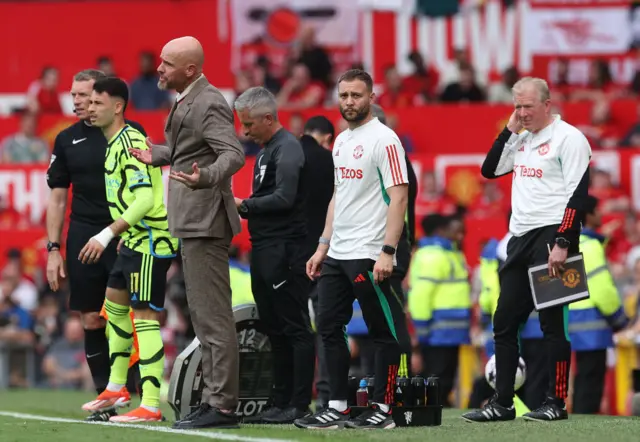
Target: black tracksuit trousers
point(281, 292)
point(340, 283)
point(514, 306)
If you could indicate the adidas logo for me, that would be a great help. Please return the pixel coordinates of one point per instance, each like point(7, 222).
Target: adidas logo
point(377, 418)
point(490, 413)
point(327, 417)
point(360, 278)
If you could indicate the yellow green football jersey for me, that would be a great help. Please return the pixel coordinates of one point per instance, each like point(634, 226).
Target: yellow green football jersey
point(123, 174)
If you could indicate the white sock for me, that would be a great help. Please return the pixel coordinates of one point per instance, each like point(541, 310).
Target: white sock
point(151, 409)
point(114, 387)
point(338, 405)
point(383, 407)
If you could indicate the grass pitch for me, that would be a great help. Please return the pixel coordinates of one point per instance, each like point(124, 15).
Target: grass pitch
point(55, 416)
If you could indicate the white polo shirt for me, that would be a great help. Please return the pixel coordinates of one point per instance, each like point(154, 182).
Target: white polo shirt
point(546, 168)
point(367, 161)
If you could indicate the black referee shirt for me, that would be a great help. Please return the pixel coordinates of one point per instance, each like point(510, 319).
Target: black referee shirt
point(78, 161)
point(276, 207)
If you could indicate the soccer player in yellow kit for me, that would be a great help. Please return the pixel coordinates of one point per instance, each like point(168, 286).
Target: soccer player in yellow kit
point(138, 279)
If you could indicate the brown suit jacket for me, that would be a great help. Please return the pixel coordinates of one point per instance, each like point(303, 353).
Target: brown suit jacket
point(200, 129)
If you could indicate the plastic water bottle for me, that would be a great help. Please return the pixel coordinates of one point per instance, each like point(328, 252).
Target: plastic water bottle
point(362, 395)
point(371, 385)
point(419, 391)
point(403, 392)
point(433, 393)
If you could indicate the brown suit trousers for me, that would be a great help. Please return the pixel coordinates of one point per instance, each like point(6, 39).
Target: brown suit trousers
point(205, 263)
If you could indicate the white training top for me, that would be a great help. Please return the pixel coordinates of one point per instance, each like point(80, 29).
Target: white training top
point(547, 168)
point(367, 161)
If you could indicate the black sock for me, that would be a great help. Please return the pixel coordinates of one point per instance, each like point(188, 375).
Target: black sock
point(133, 380)
point(96, 347)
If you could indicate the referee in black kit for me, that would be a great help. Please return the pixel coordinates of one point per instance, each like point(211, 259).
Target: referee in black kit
point(277, 227)
point(549, 164)
point(78, 161)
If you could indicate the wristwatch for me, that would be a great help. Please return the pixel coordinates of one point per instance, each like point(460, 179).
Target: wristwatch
point(388, 250)
point(563, 243)
point(52, 246)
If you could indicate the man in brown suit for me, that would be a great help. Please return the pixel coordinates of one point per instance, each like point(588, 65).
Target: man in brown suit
point(204, 153)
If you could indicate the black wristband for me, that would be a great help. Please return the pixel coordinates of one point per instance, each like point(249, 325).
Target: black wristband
point(389, 250)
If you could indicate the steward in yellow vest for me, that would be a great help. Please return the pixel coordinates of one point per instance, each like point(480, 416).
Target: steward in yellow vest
point(593, 321)
point(439, 299)
point(240, 277)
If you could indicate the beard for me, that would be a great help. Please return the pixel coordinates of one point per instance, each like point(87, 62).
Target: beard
point(360, 115)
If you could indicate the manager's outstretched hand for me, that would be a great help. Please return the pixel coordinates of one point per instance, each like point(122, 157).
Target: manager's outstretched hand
point(188, 180)
point(144, 156)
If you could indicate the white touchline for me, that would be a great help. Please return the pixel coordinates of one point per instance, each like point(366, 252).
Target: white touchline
point(158, 429)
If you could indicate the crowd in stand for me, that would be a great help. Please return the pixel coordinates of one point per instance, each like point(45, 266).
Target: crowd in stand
point(33, 316)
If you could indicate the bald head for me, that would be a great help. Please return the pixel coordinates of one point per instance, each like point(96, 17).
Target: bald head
point(188, 49)
point(182, 62)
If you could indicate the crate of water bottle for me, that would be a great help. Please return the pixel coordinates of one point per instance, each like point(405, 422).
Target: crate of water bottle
point(416, 400)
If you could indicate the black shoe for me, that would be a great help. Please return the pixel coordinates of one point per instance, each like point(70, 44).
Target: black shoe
point(259, 418)
point(551, 410)
point(328, 419)
point(491, 412)
point(374, 418)
point(193, 413)
point(287, 416)
point(208, 417)
point(101, 416)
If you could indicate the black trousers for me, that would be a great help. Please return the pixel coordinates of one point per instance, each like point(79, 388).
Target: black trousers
point(441, 362)
point(322, 380)
point(588, 384)
point(281, 292)
point(400, 322)
point(366, 345)
point(534, 390)
point(514, 306)
point(341, 282)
